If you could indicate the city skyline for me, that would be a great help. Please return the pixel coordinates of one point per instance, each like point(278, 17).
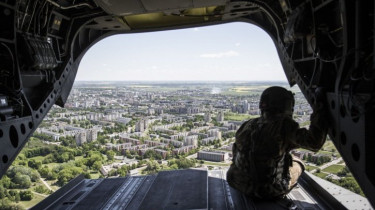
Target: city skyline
point(228, 52)
point(134, 129)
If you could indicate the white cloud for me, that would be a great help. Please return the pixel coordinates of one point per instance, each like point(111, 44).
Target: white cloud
point(196, 29)
point(237, 44)
point(230, 53)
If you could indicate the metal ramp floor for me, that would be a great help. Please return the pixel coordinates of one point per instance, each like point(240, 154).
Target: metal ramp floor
point(179, 189)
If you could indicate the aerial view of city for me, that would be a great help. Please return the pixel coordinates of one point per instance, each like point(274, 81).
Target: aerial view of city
point(148, 105)
point(117, 129)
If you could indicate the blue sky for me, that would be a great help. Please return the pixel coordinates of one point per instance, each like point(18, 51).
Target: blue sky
point(229, 52)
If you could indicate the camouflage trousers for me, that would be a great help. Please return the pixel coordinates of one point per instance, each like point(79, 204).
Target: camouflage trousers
point(242, 182)
point(295, 172)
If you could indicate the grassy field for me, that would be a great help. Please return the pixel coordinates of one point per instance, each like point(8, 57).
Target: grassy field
point(33, 202)
point(36, 143)
point(324, 152)
point(52, 184)
point(334, 169)
point(321, 175)
point(337, 154)
point(310, 168)
point(237, 117)
point(328, 146)
point(52, 165)
point(244, 90)
point(341, 162)
point(94, 175)
point(228, 92)
point(329, 149)
point(38, 158)
point(39, 184)
point(78, 157)
point(301, 149)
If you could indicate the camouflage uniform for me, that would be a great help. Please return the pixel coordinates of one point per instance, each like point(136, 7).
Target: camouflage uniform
point(262, 166)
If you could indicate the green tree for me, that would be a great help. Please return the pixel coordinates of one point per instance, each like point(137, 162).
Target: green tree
point(110, 155)
point(152, 154)
point(26, 195)
point(128, 154)
point(5, 181)
point(22, 181)
point(123, 170)
point(34, 164)
point(68, 141)
point(66, 174)
point(182, 163)
point(97, 165)
point(51, 175)
point(63, 157)
point(7, 205)
point(93, 157)
point(41, 189)
point(17, 198)
point(34, 176)
point(44, 171)
point(152, 167)
point(345, 171)
point(351, 184)
point(12, 195)
point(2, 192)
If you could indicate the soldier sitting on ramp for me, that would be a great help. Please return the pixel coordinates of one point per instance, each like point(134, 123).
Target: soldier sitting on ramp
point(262, 165)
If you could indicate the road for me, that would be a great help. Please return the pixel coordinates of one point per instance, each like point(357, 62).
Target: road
point(47, 185)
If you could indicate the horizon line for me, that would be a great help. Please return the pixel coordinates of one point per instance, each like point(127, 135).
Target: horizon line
point(181, 81)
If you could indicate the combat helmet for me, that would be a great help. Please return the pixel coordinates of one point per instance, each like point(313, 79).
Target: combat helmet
point(277, 100)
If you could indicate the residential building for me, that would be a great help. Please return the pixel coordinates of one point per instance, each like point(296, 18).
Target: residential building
point(220, 116)
point(216, 156)
point(81, 137)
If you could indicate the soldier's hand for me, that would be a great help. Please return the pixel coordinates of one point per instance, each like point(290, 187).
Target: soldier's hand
point(320, 95)
point(320, 99)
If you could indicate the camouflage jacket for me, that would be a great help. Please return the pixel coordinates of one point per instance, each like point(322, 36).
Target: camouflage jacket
point(261, 156)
